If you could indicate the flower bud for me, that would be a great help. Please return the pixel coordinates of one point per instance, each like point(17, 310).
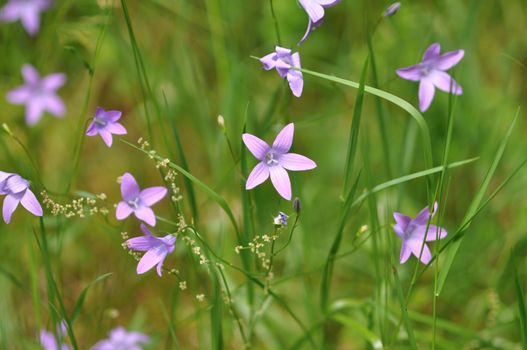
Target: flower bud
point(392, 9)
point(296, 205)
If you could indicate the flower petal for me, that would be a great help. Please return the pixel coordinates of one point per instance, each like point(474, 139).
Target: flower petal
point(259, 174)
point(284, 139)
point(151, 195)
point(426, 94)
point(16, 184)
point(432, 52)
point(34, 111)
point(146, 214)
point(19, 95)
point(53, 81)
point(30, 21)
point(412, 73)
point(256, 146)
point(269, 61)
point(142, 243)
point(296, 162)
point(314, 10)
point(54, 105)
point(415, 246)
point(123, 211)
point(424, 215)
point(449, 59)
point(405, 253)
point(445, 82)
point(113, 115)
point(129, 187)
point(92, 129)
point(30, 202)
point(281, 182)
point(151, 258)
point(116, 128)
point(106, 137)
point(431, 234)
point(30, 74)
point(296, 82)
point(401, 223)
point(10, 204)
point(309, 29)
point(328, 3)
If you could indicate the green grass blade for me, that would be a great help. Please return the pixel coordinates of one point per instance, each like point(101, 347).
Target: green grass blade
point(80, 300)
point(520, 294)
point(404, 309)
point(360, 329)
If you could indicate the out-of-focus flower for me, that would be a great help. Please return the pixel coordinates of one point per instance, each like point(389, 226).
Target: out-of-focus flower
point(156, 250)
point(16, 190)
point(280, 219)
point(121, 339)
point(315, 12)
point(105, 124)
point(49, 342)
point(413, 231)
point(285, 61)
point(38, 94)
point(275, 160)
point(137, 201)
point(430, 72)
point(392, 9)
point(27, 11)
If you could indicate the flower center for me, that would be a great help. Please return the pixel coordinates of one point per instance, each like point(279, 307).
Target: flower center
point(271, 159)
point(134, 203)
point(100, 122)
point(425, 70)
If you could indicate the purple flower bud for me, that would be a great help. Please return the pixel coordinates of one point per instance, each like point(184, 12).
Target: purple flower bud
point(392, 9)
point(296, 205)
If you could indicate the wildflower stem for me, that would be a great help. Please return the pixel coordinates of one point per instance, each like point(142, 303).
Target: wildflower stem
point(276, 27)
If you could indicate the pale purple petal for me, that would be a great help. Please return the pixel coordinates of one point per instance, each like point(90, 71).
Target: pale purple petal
point(328, 3)
point(113, 116)
point(146, 231)
point(30, 202)
point(432, 52)
point(10, 204)
point(259, 174)
point(405, 253)
point(146, 214)
point(309, 29)
point(282, 52)
point(444, 82)
point(92, 129)
point(424, 215)
point(314, 10)
point(415, 246)
point(123, 211)
point(412, 73)
point(10, 12)
point(159, 268)
point(53, 81)
point(100, 113)
point(34, 111)
point(402, 222)
point(30, 74)
point(48, 341)
point(296, 162)
point(151, 258)
point(31, 21)
point(142, 243)
point(150, 196)
point(106, 137)
point(426, 94)
point(432, 234)
point(54, 105)
point(256, 146)
point(281, 181)
point(296, 82)
point(19, 95)
point(284, 139)
point(4, 176)
point(16, 184)
point(116, 128)
point(129, 187)
point(269, 61)
point(449, 59)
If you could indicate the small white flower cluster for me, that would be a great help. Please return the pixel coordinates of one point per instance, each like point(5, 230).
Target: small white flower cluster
point(196, 250)
point(81, 207)
point(256, 246)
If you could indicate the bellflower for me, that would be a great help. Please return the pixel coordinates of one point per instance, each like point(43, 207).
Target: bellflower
point(137, 201)
point(392, 9)
point(284, 61)
point(280, 219)
point(430, 72)
point(413, 231)
point(38, 94)
point(156, 250)
point(315, 12)
point(275, 160)
point(27, 11)
point(120, 339)
point(105, 124)
point(16, 190)
point(49, 342)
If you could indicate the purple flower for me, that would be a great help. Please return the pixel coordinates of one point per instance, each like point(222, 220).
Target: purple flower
point(49, 342)
point(280, 219)
point(105, 124)
point(27, 11)
point(431, 74)
point(137, 201)
point(315, 11)
point(38, 94)
point(412, 232)
point(156, 250)
point(284, 61)
point(392, 9)
point(275, 160)
point(16, 190)
point(120, 339)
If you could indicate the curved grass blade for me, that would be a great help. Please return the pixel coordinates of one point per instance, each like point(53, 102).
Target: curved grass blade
point(80, 301)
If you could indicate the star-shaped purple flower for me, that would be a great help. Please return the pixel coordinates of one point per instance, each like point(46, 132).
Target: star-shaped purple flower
point(49, 342)
point(431, 74)
point(275, 160)
point(315, 11)
point(156, 250)
point(412, 232)
point(105, 124)
point(120, 339)
point(27, 11)
point(38, 94)
point(137, 201)
point(284, 61)
point(16, 190)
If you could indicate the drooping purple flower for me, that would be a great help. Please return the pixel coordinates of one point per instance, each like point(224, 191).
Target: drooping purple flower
point(392, 9)
point(137, 201)
point(38, 94)
point(121, 339)
point(156, 250)
point(284, 61)
point(280, 219)
point(27, 11)
point(275, 160)
point(413, 231)
point(315, 12)
point(16, 190)
point(105, 124)
point(49, 342)
point(430, 72)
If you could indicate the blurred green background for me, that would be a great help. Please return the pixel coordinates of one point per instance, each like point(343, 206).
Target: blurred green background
point(196, 55)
